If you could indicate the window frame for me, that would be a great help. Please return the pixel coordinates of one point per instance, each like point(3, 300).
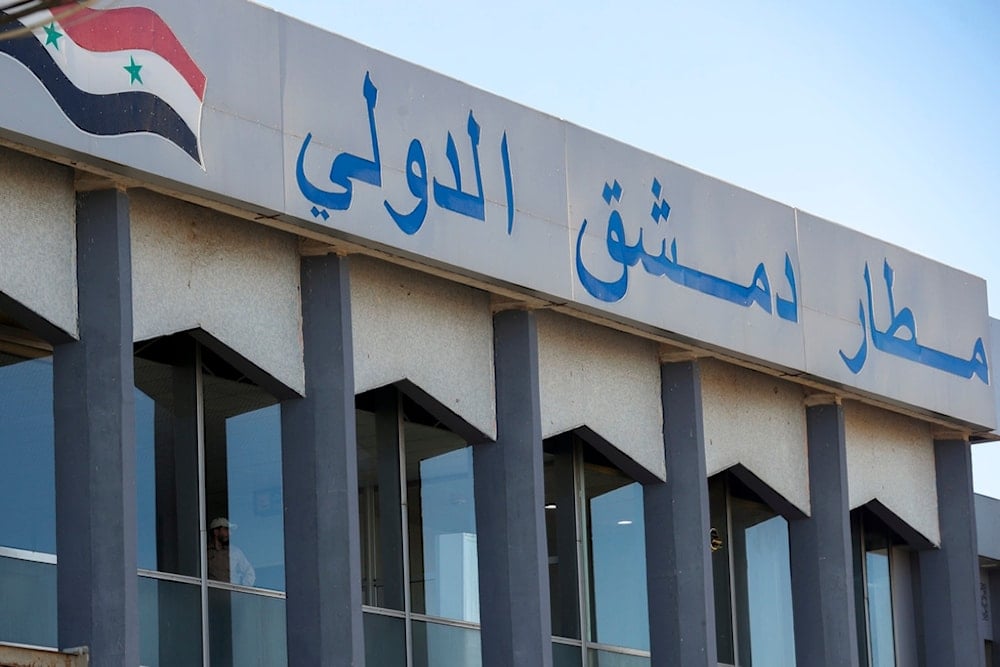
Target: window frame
point(391, 403)
point(738, 610)
point(586, 600)
point(202, 581)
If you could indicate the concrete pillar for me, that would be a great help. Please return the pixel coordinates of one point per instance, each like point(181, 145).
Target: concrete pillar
point(320, 476)
point(678, 558)
point(994, 586)
point(949, 576)
point(95, 443)
point(510, 498)
point(822, 566)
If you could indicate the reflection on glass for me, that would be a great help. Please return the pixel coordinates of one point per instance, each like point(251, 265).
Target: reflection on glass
point(379, 487)
point(199, 418)
point(166, 428)
point(385, 641)
point(873, 590)
point(145, 479)
point(441, 511)
point(605, 576)
point(561, 532)
point(28, 602)
point(436, 645)
point(721, 551)
point(619, 613)
point(416, 477)
point(566, 655)
point(243, 495)
point(883, 652)
point(245, 630)
point(752, 576)
point(169, 623)
point(769, 591)
point(597, 658)
point(27, 461)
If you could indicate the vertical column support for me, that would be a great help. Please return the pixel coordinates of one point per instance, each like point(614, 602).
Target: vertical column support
point(678, 560)
point(949, 576)
point(822, 566)
point(994, 581)
point(95, 443)
point(320, 475)
point(510, 498)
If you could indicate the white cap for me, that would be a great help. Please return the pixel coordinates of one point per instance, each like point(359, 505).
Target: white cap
point(221, 522)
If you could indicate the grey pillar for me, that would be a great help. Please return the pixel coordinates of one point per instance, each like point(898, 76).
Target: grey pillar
point(95, 443)
point(510, 499)
point(320, 475)
point(994, 586)
point(822, 565)
point(949, 576)
point(678, 558)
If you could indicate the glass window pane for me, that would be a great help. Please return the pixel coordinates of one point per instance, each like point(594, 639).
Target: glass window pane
point(763, 584)
point(385, 641)
point(169, 623)
point(566, 655)
point(597, 658)
point(245, 630)
point(880, 608)
point(166, 428)
point(27, 460)
point(560, 529)
point(718, 540)
point(145, 479)
point(28, 606)
point(619, 613)
point(872, 542)
point(436, 645)
point(243, 494)
point(441, 509)
point(380, 496)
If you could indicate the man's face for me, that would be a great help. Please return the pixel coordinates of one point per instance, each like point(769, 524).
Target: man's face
point(222, 535)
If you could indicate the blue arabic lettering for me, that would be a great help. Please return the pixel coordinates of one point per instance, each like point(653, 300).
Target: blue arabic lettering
point(348, 168)
point(411, 222)
point(508, 183)
point(454, 199)
point(788, 309)
point(899, 338)
point(345, 166)
point(665, 264)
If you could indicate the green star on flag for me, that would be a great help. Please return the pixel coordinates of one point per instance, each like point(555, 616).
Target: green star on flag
point(133, 70)
point(52, 35)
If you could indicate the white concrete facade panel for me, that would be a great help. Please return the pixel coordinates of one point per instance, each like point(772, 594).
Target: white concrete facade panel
point(890, 458)
point(606, 380)
point(196, 268)
point(38, 237)
point(412, 326)
point(759, 421)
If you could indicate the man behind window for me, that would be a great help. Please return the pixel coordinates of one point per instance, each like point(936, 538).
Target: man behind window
point(226, 563)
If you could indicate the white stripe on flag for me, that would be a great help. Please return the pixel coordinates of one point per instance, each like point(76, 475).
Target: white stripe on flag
point(103, 73)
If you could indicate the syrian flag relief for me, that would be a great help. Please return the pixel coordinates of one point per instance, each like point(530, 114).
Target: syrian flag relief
point(114, 72)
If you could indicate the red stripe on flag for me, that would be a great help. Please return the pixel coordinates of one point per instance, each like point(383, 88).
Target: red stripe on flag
point(130, 28)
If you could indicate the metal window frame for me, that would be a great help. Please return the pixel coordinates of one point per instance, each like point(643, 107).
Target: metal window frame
point(202, 581)
point(407, 615)
point(585, 598)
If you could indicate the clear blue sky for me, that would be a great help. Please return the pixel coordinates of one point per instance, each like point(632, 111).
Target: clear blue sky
point(884, 117)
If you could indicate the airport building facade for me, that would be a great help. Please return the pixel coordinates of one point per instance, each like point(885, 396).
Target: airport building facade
point(361, 365)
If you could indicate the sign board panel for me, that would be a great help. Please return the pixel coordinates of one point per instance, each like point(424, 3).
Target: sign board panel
point(237, 103)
